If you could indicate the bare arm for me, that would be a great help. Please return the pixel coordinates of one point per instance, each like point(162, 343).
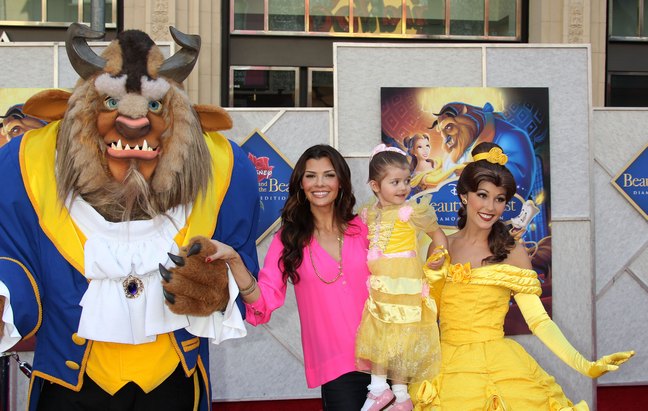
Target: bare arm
point(519, 257)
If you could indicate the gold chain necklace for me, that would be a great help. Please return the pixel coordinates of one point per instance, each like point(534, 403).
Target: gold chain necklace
point(339, 274)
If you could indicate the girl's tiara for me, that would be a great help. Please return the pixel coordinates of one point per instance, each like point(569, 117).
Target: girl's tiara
point(381, 147)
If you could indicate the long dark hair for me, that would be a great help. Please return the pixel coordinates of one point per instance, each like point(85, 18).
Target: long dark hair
point(410, 144)
point(297, 222)
point(500, 241)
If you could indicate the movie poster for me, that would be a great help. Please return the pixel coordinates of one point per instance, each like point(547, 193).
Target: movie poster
point(13, 121)
point(438, 127)
point(273, 175)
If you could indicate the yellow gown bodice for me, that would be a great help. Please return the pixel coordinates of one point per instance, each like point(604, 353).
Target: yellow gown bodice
point(475, 301)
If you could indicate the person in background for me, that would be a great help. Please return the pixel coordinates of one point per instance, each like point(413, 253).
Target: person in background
point(480, 369)
point(321, 249)
point(398, 338)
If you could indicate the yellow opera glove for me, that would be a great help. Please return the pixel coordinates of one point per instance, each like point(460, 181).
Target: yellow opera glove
point(548, 332)
point(438, 253)
point(436, 278)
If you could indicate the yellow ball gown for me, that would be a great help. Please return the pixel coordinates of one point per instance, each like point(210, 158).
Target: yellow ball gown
point(480, 369)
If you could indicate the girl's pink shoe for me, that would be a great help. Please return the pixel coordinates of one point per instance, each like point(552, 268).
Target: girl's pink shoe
point(402, 406)
point(380, 401)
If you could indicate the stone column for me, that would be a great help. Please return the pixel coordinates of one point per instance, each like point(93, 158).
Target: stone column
point(201, 17)
point(573, 22)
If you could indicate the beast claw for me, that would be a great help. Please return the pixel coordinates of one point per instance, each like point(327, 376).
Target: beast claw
point(166, 274)
point(194, 249)
point(177, 260)
point(169, 296)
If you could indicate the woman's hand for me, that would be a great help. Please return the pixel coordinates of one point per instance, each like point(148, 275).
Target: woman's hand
point(223, 252)
point(435, 263)
point(609, 363)
point(436, 257)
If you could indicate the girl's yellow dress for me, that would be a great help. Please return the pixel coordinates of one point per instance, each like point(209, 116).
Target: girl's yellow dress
point(480, 369)
point(398, 335)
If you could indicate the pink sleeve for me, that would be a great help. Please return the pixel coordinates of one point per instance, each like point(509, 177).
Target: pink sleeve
point(271, 285)
point(358, 227)
point(364, 232)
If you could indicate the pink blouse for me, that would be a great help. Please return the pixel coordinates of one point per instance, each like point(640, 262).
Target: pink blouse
point(329, 314)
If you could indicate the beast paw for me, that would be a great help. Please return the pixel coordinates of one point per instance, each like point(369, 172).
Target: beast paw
point(194, 287)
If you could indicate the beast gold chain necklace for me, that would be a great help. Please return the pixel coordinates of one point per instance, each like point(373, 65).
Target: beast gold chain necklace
point(340, 239)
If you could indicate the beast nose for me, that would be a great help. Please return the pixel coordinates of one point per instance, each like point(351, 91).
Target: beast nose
point(132, 128)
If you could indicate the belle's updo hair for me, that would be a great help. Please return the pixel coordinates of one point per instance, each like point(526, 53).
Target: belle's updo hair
point(500, 241)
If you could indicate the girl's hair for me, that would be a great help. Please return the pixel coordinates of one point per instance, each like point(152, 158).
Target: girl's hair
point(500, 241)
point(410, 144)
point(297, 221)
point(380, 161)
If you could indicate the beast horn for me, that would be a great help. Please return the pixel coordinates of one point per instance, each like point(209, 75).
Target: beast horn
point(83, 59)
point(179, 66)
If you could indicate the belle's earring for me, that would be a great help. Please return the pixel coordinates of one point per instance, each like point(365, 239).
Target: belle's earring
point(463, 201)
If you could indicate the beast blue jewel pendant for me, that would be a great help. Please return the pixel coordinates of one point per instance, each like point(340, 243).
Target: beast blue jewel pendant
point(133, 287)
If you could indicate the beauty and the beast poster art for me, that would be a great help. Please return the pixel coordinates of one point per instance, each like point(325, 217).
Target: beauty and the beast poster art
point(13, 121)
point(438, 127)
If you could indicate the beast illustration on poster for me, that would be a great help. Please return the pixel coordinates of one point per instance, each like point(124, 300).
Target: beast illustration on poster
point(438, 127)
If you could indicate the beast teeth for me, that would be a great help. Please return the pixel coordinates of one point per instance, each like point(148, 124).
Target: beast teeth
point(118, 146)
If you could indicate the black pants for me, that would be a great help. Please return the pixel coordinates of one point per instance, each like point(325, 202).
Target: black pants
point(347, 392)
point(175, 393)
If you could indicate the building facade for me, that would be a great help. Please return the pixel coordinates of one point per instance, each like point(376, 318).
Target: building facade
point(280, 53)
point(260, 53)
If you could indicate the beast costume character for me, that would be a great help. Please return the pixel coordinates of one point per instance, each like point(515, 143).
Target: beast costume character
point(101, 202)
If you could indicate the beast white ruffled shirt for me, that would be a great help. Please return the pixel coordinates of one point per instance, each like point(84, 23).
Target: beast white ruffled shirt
point(114, 251)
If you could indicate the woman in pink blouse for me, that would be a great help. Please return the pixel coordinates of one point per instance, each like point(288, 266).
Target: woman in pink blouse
point(322, 250)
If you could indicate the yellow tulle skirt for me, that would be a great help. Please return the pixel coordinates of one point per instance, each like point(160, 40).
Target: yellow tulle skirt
point(405, 351)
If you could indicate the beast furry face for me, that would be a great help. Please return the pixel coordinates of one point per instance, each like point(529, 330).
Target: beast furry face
point(130, 143)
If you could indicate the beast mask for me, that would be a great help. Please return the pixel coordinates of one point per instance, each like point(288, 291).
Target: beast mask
point(128, 129)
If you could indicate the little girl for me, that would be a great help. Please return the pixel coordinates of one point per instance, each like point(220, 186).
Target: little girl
point(398, 337)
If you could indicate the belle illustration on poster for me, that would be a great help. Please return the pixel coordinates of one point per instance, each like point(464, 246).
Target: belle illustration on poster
point(438, 128)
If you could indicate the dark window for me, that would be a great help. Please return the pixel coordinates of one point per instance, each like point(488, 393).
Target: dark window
point(320, 87)
point(627, 90)
point(625, 18)
point(264, 87)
